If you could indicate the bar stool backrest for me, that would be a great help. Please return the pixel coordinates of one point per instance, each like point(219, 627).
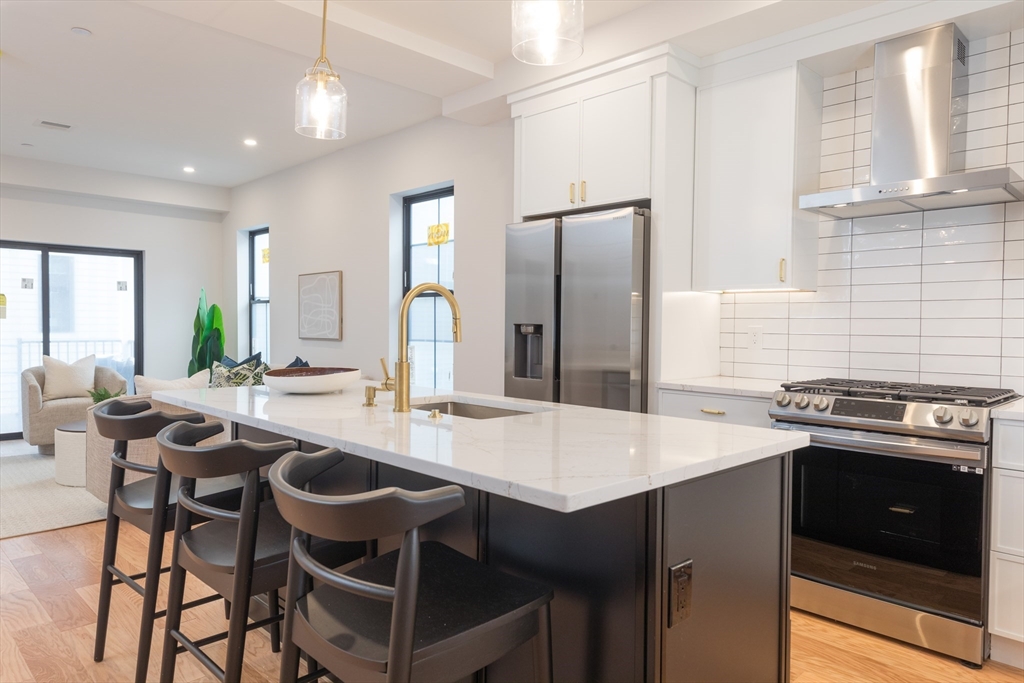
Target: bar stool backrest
point(361, 517)
point(131, 420)
point(180, 455)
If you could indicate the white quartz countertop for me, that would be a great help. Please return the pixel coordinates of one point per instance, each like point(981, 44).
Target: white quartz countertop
point(557, 456)
point(729, 386)
point(1010, 411)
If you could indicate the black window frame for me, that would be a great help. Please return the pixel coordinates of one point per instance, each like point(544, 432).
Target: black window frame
point(253, 300)
point(407, 203)
point(139, 258)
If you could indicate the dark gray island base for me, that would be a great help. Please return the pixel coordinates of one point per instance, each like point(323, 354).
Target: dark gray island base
point(611, 567)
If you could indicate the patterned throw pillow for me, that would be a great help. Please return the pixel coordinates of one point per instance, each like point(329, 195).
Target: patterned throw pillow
point(248, 375)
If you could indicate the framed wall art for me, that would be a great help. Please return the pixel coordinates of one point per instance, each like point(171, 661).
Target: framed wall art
point(320, 305)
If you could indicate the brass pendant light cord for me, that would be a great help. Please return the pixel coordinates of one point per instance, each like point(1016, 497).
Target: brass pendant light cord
point(322, 59)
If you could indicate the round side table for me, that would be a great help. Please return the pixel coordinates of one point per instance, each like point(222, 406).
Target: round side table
point(69, 454)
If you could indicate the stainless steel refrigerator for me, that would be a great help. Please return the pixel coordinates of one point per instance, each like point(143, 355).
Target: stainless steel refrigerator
point(576, 309)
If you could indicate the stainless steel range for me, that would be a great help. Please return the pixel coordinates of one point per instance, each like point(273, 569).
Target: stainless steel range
point(890, 507)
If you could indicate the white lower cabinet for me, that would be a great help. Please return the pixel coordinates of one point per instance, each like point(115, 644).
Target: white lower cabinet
point(1008, 444)
point(1006, 596)
point(741, 410)
point(1008, 511)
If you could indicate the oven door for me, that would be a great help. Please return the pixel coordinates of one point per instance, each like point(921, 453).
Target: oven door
point(893, 517)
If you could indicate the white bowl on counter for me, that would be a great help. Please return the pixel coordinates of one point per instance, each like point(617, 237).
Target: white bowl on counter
point(310, 380)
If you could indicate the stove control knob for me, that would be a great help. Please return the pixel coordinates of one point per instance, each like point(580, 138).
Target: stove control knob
point(802, 402)
point(821, 403)
point(942, 415)
point(968, 418)
point(783, 400)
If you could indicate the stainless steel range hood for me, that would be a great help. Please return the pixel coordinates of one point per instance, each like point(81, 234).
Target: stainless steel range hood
point(918, 135)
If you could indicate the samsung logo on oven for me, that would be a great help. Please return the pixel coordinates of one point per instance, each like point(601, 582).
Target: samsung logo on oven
point(866, 566)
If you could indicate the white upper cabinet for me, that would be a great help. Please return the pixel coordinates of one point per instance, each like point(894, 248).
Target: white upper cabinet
point(615, 146)
point(550, 160)
point(591, 150)
point(748, 233)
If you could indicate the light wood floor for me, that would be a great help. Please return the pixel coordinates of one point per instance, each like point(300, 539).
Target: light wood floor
point(48, 590)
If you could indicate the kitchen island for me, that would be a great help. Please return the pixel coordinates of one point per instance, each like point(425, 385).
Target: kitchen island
point(666, 540)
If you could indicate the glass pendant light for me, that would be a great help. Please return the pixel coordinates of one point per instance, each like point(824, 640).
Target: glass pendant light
point(547, 32)
point(321, 102)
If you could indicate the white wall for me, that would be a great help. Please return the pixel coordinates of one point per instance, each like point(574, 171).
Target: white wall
point(338, 213)
point(182, 253)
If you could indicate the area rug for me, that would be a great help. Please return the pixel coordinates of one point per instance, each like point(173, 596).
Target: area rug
point(31, 501)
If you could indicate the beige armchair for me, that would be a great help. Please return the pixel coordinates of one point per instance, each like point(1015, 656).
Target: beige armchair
point(40, 418)
point(98, 448)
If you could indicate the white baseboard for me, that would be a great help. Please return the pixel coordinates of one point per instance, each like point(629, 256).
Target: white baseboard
point(1007, 651)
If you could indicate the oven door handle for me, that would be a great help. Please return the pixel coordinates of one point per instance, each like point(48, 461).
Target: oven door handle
point(884, 444)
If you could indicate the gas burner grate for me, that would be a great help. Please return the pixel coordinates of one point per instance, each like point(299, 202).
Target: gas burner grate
point(905, 391)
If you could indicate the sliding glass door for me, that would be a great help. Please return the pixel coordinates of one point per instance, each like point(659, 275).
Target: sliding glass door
point(68, 303)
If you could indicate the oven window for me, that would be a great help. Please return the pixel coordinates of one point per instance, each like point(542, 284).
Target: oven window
point(906, 530)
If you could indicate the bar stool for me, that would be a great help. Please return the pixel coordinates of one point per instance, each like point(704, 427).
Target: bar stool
point(146, 504)
point(424, 612)
point(238, 554)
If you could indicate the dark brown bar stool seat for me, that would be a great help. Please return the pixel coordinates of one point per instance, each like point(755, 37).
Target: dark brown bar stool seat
point(238, 554)
point(135, 503)
point(424, 612)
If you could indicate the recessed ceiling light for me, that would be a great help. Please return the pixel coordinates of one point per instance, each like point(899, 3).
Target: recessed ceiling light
point(27, 144)
point(189, 169)
point(79, 31)
point(250, 142)
point(959, 191)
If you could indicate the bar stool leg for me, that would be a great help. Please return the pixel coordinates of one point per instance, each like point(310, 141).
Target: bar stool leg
point(245, 552)
point(175, 595)
point(289, 651)
point(109, 556)
point(273, 601)
point(161, 493)
point(544, 670)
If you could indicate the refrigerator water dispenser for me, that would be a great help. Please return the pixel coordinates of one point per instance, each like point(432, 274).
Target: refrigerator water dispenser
point(529, 351)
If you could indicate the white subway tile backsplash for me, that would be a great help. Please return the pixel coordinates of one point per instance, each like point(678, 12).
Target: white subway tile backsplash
point(947, 291)
point(961, 327)
point(964, 234)
point(886, 257)
point(885, 344)
point(820, 358)
point(837, 145)
point(996, 42)
point(968, 215)
point(934, 296)
point(893, 275)
point(865, 74)
point(960, 379)
point(887, 240)
point(963, 253)
point(850, 77)
point(979, 308)
point(885, 326)
point(903, 221)
point(819, 342)
point(813, 326)
point(885, 309)
point(984, 61)
point(888, 292)
point(846, 93)
point(907, 362)
point(833, 162)
point(961, 346)
point(847, 110)
point(949, 272)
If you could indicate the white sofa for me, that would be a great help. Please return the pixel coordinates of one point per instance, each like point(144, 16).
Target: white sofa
point(40, 418)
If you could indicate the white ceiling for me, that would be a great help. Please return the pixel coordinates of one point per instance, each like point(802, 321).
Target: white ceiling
point(163, 84)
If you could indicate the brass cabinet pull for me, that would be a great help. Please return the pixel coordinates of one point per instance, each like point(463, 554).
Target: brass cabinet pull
point(712, 411)
point(583, 191)
point(572, 193)
point(905, 510)
point(782, 270)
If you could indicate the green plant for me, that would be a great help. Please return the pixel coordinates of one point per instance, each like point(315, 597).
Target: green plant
point(102, 394)
point(207, 336)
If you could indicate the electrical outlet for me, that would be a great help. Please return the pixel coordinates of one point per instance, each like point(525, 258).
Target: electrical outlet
point(755, 337)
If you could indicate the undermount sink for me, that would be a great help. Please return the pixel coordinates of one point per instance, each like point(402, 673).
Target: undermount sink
point(470, 410)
